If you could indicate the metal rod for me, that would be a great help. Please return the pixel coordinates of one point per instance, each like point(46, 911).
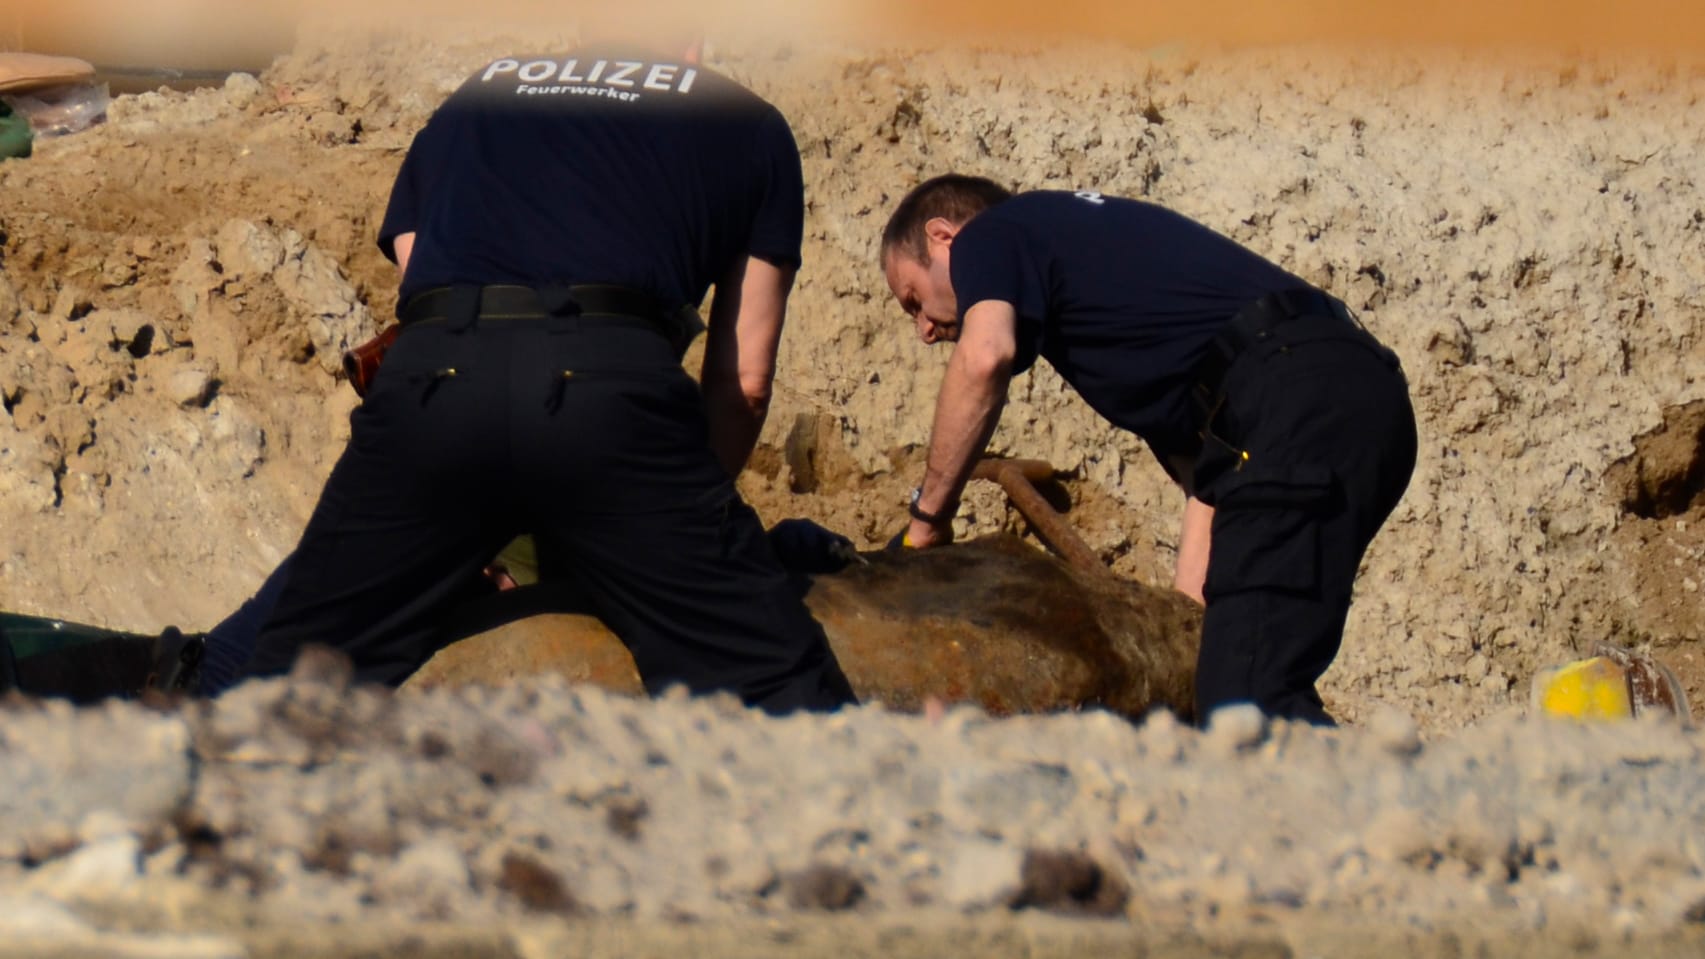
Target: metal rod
point(1016, 478)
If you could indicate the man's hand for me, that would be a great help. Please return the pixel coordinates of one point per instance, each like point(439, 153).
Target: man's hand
point(923, 535)
point(926, 528)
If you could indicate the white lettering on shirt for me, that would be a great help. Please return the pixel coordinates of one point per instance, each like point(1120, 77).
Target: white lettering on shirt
point(1093, 196)
point(558, 77)
point(533, 89)
point(532, 74)
point(661, 75)
point(501, 66)
point(624, 69)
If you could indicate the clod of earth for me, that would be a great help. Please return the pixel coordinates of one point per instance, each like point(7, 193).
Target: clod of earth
point(993, 622)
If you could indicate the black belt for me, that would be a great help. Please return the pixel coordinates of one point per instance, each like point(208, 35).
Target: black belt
point(1254, 324)
point(513, 302)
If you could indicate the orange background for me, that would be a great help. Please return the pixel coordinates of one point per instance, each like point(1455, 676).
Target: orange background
point(232, 33)
point(1665, 25)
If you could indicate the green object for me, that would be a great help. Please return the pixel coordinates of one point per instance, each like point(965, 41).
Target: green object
point(30, 636)
point(51, 657)
point(15, 135)
point(521, 559)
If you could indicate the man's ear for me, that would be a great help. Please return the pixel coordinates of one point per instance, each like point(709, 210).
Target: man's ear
point(940, 229)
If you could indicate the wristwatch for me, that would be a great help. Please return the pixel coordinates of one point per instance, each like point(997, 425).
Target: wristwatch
point(934, 519)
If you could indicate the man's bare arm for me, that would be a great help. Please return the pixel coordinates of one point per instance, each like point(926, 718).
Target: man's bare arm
point(972, 396)
point(746, 316)
point(1194, 541)
point(403, 245)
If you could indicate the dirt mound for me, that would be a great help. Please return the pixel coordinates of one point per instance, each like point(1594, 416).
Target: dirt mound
point(297, 805)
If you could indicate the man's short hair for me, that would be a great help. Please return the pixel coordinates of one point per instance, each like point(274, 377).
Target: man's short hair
point(954, 197)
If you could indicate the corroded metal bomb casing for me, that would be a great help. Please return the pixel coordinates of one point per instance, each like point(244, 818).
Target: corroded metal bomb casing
point(993, 622)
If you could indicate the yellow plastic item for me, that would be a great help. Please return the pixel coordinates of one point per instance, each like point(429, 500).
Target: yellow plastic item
point(1594, 688)
point(1615, 683)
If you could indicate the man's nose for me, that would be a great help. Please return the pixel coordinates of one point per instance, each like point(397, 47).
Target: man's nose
point(926, 329)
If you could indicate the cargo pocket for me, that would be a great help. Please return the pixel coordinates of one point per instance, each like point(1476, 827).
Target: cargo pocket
point(1266, 532)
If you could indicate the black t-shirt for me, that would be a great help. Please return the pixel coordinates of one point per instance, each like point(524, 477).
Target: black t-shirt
point(597, 167)
point(1120, 296)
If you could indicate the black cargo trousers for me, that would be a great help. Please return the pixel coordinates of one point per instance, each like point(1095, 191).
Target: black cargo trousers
point(1309, 443)
point(585, 431)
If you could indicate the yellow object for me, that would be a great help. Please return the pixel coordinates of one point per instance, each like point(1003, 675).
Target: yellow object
point(1594, 688)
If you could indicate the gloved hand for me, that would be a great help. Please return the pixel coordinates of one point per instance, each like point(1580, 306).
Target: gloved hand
point(806, 547)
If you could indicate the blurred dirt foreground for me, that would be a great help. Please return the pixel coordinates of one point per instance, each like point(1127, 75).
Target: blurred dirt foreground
point(1524, 228)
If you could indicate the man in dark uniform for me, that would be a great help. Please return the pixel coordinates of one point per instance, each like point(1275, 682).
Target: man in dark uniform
point(554, 220)
point(1287, 424)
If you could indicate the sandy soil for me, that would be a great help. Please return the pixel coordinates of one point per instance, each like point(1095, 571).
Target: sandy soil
point(294, 808)
point(176, 286)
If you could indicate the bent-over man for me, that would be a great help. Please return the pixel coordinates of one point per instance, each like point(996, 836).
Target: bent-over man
point(1287, 424)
